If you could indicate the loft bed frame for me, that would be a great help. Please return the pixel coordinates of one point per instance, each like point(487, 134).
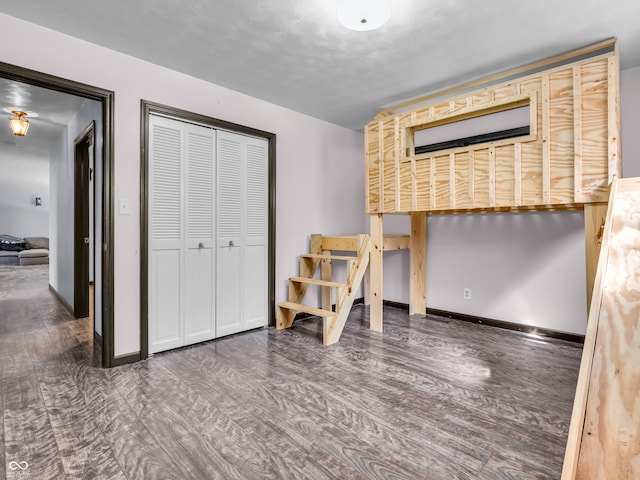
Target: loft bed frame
point(569, 159)
point(565, 161)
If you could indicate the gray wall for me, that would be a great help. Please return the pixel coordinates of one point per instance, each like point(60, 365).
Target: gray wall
point(524, 268)
point(22, 180)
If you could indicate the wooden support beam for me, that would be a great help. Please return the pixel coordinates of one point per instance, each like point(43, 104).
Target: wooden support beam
point(546, 142)
point(326, 276)
point(418, 264)
point(595, 215)
point(375, 277)
point(613, 102)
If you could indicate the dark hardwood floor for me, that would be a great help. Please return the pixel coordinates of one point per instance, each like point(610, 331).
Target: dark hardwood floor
point(432, 398)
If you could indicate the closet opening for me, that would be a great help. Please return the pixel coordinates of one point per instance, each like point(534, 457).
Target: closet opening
point(207, 233)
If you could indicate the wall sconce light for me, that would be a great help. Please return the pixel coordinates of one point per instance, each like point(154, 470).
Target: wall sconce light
point(38, 201)
point(19, 124)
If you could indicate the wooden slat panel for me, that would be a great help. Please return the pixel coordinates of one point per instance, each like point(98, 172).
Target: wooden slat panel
point(388, 167)
point(405, 192)
point(517, 173)
point(481, 197)
point(432, 183)
point(396, 161)
point(577, 134)
point(531, 155)
point(452, 180)
point(462, 190)
point(561, 136)
point(546, 141)
point(442, 182)
point(372, 144)
point(595, 142)
point(414, 187)
point(423, 184)
point(504, 177)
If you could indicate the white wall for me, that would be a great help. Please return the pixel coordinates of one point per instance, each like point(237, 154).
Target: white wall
point(61, 219)
point(22, 180)
point(524, 268)
point(62, 186)
point(314, 157)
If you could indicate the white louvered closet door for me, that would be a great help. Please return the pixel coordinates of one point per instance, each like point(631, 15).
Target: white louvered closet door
point(181, 234)
point(199, 243)
point(242, 233)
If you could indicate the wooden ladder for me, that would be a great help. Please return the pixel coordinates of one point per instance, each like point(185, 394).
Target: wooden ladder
point(320, 255)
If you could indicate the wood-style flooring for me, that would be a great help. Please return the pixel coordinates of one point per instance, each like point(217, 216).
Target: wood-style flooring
point(432, 398)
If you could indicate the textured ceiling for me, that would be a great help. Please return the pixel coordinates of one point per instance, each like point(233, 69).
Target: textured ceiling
point(295, 53)
point(55, 110)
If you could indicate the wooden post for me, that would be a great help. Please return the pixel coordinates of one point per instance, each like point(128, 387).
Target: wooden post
point(418, 263)
point(595, 215)
point(375, 277)
point(326, 275)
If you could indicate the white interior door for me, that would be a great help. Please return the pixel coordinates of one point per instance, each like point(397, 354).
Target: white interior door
point(242, 233)
point(200, 290)
point(166, 239)
point(181, 234)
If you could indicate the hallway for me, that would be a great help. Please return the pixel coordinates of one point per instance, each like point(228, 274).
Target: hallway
point(432, 399)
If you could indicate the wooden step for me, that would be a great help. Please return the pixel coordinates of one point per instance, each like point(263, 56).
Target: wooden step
point(318, 312)
point(313, 281)
point(319, 256)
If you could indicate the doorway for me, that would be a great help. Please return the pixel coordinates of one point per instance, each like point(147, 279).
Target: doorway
point(104, 262)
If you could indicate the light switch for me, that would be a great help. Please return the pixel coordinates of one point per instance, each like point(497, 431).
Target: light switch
point(123, 206)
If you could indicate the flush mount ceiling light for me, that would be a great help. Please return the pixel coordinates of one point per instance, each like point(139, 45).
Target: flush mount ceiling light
point(363, 15)
point(19, 124)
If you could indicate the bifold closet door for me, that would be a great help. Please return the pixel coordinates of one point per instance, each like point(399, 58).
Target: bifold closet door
point(242, 258)
point(181, 234)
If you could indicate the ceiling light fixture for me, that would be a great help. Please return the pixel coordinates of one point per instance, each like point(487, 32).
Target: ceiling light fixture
point(363, 15)
point(19, 124)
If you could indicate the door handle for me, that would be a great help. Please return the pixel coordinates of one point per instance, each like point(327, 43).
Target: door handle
point(200, 245)
point(231, 243)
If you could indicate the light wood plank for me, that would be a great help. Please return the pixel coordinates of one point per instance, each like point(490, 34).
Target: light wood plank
point(613, 108)
point(375, 268)
point(595, 215)
point(546, 142)
point(418, 264)
point(610, 445)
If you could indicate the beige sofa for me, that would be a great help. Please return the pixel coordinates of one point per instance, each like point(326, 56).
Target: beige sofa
point(33, 251)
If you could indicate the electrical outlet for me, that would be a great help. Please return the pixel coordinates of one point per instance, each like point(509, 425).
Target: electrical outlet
point(466, 293)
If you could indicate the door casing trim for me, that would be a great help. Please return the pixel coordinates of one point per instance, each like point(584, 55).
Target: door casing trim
point(107, 100)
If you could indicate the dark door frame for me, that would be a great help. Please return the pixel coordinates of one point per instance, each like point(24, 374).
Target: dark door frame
point(107, 100)
point(148, 108)
point(81, 246)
